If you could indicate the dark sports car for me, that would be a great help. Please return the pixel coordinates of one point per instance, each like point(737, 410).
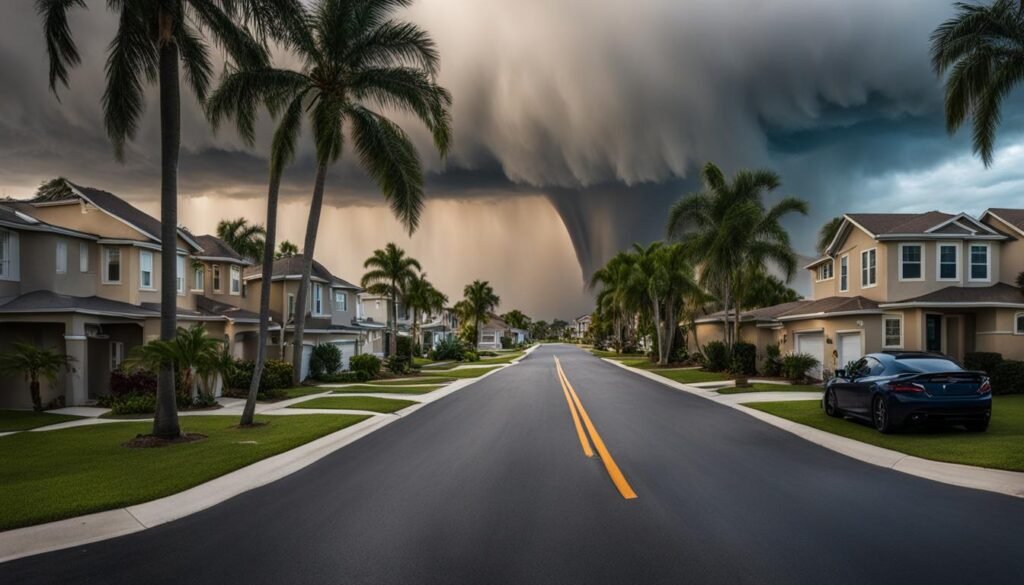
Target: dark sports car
point(895, 389)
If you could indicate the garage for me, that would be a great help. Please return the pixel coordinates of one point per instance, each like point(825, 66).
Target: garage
point(850, 347)
point(348, 349)
point(812, 343)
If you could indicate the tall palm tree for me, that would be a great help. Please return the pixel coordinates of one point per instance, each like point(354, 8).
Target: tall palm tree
point(389, 271)
point(616, 299)
point(517, 319)
point(153, 39)
point(982, 49)
point(354, 57)
point(421, 297)
point(479, 302)
point(827, 233)
point(286, 250)
point(664, 277)
point(245, 238)
point(34, 363)
point(729, 232)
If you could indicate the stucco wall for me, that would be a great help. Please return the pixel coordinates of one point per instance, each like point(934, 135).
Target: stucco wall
point(14, 390)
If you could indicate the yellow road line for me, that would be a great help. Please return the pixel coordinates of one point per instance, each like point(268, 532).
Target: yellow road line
point(576, 419)
point(609, 463)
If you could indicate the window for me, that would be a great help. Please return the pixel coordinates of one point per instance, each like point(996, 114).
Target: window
point(340, 300)
point(146, 269)
point(1018, 324)
point(112, 265)
point(8, 255)
point(216, 279)
point(62, 257)
point(949, 265)
point(291, 306)
point(825, 271)
point(979, 262)
point(844, 273)
point(868, 269)
point(179, 280)
point(892, 331)
point(236, 280)
point(83, 257)
point(910, 262)
point(318, 299)
point(198, 278)
point(116, 354)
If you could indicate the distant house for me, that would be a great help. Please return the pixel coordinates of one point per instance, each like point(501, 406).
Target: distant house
point(491, 332)
point(581, 325)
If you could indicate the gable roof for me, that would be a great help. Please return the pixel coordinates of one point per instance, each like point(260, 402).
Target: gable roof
point(902, 226)
point(999, 294)
point(759, 315)
point(12, 217)
point(291, 269)
point(829, 306)
point(1012, 217)
point(215, 248)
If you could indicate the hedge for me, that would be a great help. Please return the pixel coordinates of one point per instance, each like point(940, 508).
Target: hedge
point(1008, 378)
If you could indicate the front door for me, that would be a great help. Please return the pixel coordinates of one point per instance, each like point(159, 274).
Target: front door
point(933, 333)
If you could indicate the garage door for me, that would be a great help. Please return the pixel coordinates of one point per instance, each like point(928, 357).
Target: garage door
point(813, 344)
point(348, 349)
point(849, 349)
point(307, 352)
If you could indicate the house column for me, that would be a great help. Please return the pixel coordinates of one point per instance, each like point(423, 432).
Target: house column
point(76, 344)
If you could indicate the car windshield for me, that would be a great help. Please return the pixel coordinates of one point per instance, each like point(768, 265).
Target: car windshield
point(929, 365)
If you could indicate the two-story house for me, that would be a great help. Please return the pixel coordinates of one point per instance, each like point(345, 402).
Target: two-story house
point(902, 281)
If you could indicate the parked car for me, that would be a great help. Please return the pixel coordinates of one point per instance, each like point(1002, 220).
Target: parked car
point(895, 389)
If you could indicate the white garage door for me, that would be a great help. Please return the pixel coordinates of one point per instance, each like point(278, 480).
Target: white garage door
point(813, 344)
point(348, 349)
point(849, 349)
point(307, 352)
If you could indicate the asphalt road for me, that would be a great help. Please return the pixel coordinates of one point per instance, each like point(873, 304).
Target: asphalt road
point(490, 485)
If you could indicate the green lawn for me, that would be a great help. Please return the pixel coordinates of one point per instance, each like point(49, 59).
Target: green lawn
point(23, 420)
point(59, 474)
point(502, 358)
point(999, 447)
point(469, 372)
point(615, 355)
point(370, 403)
point(387, 389)
point(299, 391)
point(772, 388)
point(425, 379)
point(691, 376)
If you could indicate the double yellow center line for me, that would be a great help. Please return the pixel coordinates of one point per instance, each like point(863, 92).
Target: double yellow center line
point(580, 414)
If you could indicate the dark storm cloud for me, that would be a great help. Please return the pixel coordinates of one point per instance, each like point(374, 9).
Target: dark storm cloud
point(606, 108)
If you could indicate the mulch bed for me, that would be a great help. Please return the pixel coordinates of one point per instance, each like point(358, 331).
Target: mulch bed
point(151, 441)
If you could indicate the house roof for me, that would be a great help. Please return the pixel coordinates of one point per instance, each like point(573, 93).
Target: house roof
point(902, 226)
point(18, 217)
point(828, 306)
point(214, 308)
point(999, 294)
point(761, 314)
point(291, 268)
point(899, 223)
point(121, 209)
point(1014, 217)
point(44, 301)
point(214, 247)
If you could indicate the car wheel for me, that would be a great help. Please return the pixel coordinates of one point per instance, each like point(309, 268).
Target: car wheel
point(977, 426)
point(831, 404)
point(880, 415)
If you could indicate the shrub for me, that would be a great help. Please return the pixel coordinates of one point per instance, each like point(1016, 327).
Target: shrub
point(795, 365)
point(403, 347)
point(506, 342)
point(985, 361)
point(123, 383)
point(324, 359)
point(471, 356)
point(345, 378)
point(277, 374)
point(1008, 378)
point(716, 356)
point(744, 359)
point(487, 354)
point(773, 362)
point(398, 364)
point(133, 404)
point(450, 349)
point(366, 363)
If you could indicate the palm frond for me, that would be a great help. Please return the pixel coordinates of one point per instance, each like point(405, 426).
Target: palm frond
point(60, 47)
point(133, 53)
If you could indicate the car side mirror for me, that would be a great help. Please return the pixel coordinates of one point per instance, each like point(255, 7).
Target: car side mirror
point(841, 373)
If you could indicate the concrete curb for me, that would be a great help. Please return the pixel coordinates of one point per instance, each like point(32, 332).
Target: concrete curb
point(1010, 483)
point(41, 538)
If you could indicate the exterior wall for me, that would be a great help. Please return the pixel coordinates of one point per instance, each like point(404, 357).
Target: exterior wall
point(86, 218)
point(869, 326)
point(243, 299)
point(856, 242)
point(375, 308)
point(347, 315)
point(1011, 258)
point(38, 251)
point(995, 332)
point(14, 392)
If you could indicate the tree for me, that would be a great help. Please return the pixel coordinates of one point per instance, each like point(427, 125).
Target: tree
point(245, 238)
point(617, 301)
point(422, 298)
point(516, 319)
point(728, 232)
point(53, 190)
point(539, 329)
point(827, 233)
point(193, 353)
point(478, 303)
point(982, 49)
point(34, 363)
point(151, 41)
point(286, 250)
point(764, 290)
point(665, 276)
point(354, 57)
point(389, 272)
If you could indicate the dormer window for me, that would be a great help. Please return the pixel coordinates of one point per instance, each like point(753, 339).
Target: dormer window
point(910, 262)
point(825, 271)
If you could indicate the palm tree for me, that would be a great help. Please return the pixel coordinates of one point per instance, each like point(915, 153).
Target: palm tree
point(354, 57)
point(152, 40)
point(729, 232)
point(982, 49)
point(34, 363)
point(53, 190)
point(517, 319)
point(244, 237)
point(827, 233)
point(192, 352)
point(389, 272)
point(421, 296)
point(616, 299)
point(665, 278)
point(479, 302)
point(286, 250)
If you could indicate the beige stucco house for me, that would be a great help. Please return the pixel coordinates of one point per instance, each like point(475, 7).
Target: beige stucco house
point(913, 281)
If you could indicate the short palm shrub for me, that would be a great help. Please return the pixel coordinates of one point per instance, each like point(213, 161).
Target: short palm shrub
point(716, 356)
point(773, 361)
point(325, 359)
point(449, 349)
point(1008, 378)
point(744, 359)
point(796, 365)
point(366, 363)
point(34, 363)
point(983, 361)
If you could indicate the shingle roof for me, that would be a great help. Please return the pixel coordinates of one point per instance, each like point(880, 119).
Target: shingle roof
point(210, 307)
point(760, 314)
point(1014, 217)
point(215, 247)
point(1001, 293)
point(10, 215)
point(292, 267)
point(43, 301)
point(830, 305)
point(899, 223)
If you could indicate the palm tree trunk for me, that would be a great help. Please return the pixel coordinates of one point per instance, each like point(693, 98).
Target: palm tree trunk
point(670, 328)
point(308, 248)
point(657, 330)
point(415, 332)
point(267, 272)
point(393, 315)
point(165, 421)
point(33, 388)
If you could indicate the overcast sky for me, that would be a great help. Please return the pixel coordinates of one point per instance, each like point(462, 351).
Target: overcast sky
point(577, 123)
